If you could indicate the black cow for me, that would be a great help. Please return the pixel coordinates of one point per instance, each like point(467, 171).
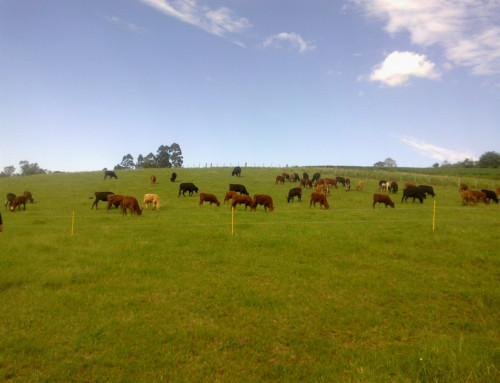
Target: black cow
point(427, 190)
point(394, 187)
point(110, 174)
point(9, 198)
point(295, 192)
point(174, 176)
point(413, 192)
point(236, 171)
point(340, 180)
point(187, 187)
point(305, 176)
point(100, 196)
point(490, 195)
point(238, 189)
point(316, 177)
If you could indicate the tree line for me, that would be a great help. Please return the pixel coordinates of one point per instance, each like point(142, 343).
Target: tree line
point(166, 157)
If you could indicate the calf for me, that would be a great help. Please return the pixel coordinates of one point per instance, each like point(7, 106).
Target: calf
point(229, 195)
point(306, 182)
point(295, 192)
point(347, 184)
point(413, 192)
point(152, 199)
point(243, 200)
point(384, 186)
point(490, 195)
point(381, 185)
point(360, 186)
point(382, 198)
point(18, 201)
point(204, 197)
point(153, 179)
point(238, 188)
point(187, 187)
point(131, 204)
point(110, 174)
point(321, 198)
point(264, 200)
point(480, 196)
point(114, 199)
point(100, 196)
point(9, 198)
point(429, 190)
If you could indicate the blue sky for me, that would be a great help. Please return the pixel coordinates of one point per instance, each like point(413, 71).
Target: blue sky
point(262, 82)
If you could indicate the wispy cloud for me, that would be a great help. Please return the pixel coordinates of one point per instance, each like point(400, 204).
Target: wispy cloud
point(221, 22)
point(399, 67)
point(291, 40)
point(130, 26)
point(436, 152)
point(468, 31)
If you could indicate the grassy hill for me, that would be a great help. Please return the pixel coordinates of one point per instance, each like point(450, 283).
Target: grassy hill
point(353, 293)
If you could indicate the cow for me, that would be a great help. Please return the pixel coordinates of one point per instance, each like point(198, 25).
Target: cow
point(18, 201)
point(264, 200)
point(187, 187)
point(305, 176)
point(429, 190)
point(295, 192)
point(360, 186)
point(382, 198)
point(9, 198)
point(294, 177)
point(340, 180)
point(384, 186)
point(306, 183)
point(394, 187)
point(153, 179)
point(413, 192)
point(229, 195)
point(110, 174)
point(331, 181)
point(280, 180)
point(205, 197)
point(131, 204)
point(173, 177)
point(490, 195)
point(236, 171)
point(316, 177)
point(28, 196)
point(238, 188)
point(100, 196)
point(480, 196)
point(243, 200)
point(321, 198)
point(381, 185)
point(473, 196)
point(462, 187)
point(152, 199)
point(114, 199)
point(347, 184)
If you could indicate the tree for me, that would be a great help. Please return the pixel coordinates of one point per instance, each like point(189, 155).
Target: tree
point(127, 162)
point(140, 162)
point(489, 160)
point(176, 155)
point(379, 164)
point(28, 169)
point(387, 163)
point(149, 161)
point(163, 157)
point(8, 171)
point(435, 165)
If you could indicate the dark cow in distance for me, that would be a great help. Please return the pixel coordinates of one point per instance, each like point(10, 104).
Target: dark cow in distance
point(243, 200)
point(264, 200)
point(382, 198)
point(205, 197)
point(187, 187)
point(236, 171)
point(114, 199)
point(295, 192)
point(238, 188)
point(100, 196)
point(18, 201)
point(9, 198)
point(316, 177)
point(110, 174)
point(340, 180)
point(429, 190)
point(321, 198)
point(490, 195)
point(131, 204)
point(305, 176)
point(174, 176)
point(413, 192)
point(394, 187)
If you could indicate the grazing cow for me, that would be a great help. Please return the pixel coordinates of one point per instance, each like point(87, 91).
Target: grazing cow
point(187, 187)
point(347, 184)
point(18, 201)
point(242, 200)
point(294, 177)
point(286, 176)
point(384, 186)
point(131, 204)
point(462, 187)
point(28, 196)
point(153, 179)
point(114, 199)
point(110, 174)
point(319, 181)
point(306, 183)
point(321, 198)
point(280, 179)
point(204, 197)
point(305, 176)
point(360, 186)
point(236, 171)
point(381, 184)
point(316, 177)
point(490, 195)
point(295, 192)
point(100, 196)
point(429, 190)
point(264, 200)
point(238, 188)
point(480, 196)
point(382, 198)
point(413, 192)
point(394, 187)
point(340, 180)
point(331, 181)
point(174, 176)
point(152, 199)
point(229, 195)
point(318, 188)
point(473, 196)
point(9, 198)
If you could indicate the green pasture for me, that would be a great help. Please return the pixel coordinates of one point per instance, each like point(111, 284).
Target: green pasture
point(349, 294)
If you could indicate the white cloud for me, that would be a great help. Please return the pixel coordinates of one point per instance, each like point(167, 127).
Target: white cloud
point(467, 30)
point(399, 67)
point(219, 22)
point(436, 152)
point(293, 40)
point(129, 26)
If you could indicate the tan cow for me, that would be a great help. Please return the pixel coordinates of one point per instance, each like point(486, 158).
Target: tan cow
point(152, 199)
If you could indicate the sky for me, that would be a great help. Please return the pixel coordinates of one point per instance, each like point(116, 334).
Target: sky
point(257, 82)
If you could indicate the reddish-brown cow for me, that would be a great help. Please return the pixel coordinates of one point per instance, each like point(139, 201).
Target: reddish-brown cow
point(205, 197)
point(153, 179)
point(229, 195)
point(321, 198)
point(264, 200)
point(131, 204)
point(382, 198)
point(243, 200)
point(18, 201)
point(280, 179)
point(114, 199)
point(331, 181)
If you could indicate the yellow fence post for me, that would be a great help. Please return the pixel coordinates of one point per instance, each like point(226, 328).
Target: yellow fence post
point(232, 220)
point(434, 217)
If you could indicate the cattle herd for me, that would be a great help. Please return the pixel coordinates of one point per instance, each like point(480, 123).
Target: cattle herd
point(238, 194)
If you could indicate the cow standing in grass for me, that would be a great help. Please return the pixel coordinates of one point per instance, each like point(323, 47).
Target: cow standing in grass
point(321, 198)
point(382, 198)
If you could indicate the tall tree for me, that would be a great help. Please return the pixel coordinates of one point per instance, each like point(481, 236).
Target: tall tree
point(163, 157)
point(176, 155)
point(149, 161)
point(8, 171)
point(489, 160)
point(140, 162)
point(28, 169)
point(127, 162)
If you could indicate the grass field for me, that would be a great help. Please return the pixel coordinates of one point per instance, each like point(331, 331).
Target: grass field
point(350, 294)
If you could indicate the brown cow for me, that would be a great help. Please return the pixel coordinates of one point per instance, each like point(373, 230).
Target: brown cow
point(360, 186)
point(28, 196)
point(205, 197)
point(114, 199)
point(280, 179)
point(263, 199)
point(462, 187)
point(243, 199)
point(331, 181)
point(153, 179)
point(131, 204)
point(382, 198)
point(229, 195)
point(474, 196)
point(306, 182)
point(152, 199)
point(321, 198)
point(18, 201)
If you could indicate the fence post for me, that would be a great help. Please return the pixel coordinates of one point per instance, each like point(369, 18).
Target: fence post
point(232, 220)
point(434, 217)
